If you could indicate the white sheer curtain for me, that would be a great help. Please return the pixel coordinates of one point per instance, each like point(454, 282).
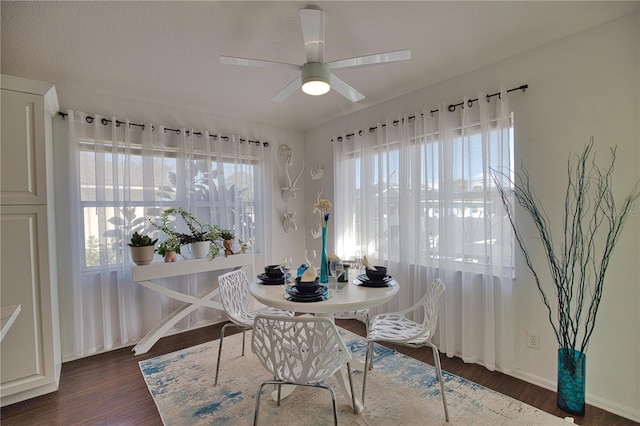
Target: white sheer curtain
point(426, 207)
point(122, 176)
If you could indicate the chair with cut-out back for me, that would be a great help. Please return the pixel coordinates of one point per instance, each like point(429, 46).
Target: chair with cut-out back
point(395, 327)
point(302, 351)
point(235, 298)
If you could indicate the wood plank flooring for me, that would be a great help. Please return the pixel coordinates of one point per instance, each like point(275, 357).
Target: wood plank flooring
point(108, 389)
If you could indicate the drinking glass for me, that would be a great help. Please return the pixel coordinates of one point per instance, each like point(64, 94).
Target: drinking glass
point(336, 267)
point(358, 257)
point(285, 266)
point(310, 256)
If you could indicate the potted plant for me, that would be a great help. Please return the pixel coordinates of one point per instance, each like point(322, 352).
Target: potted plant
point(169, 249)
point(142, 248)
point(202, 237)
point(227, 241)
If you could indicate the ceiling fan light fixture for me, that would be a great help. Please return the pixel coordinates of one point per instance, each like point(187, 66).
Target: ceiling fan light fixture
point(315, 78)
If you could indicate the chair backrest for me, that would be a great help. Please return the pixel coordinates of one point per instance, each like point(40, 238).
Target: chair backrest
point(234, 295)
point(431, 305)
point(301, 350)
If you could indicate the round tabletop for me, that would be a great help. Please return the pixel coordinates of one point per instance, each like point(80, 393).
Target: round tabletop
point(352, 298)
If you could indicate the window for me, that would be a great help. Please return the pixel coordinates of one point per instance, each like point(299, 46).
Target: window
point(429, 196)
point(125, 186)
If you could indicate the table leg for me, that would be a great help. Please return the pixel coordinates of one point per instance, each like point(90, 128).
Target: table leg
point(285, 391)
point(168, 322)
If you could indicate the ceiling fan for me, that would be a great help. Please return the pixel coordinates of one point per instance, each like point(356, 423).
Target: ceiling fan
point(316, 76)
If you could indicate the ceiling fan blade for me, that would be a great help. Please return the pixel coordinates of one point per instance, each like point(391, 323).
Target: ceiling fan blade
point(288, 90)
point(345, 90)
point(312, 20)
point(230, 60)
point(378, 58)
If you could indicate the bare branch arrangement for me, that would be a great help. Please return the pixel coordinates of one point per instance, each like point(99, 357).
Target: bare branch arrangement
point(592, 226)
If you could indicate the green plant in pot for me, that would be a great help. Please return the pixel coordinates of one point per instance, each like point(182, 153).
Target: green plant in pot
point(592, 224)
point(169, 249)
point(142, 248)
point(227, 241)
point(200, 234)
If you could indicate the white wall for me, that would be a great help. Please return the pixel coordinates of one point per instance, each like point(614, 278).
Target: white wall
point(582, 86)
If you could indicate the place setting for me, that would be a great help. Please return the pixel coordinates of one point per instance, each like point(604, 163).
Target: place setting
point(307, 288)
point(374, 276)
point(275, 274)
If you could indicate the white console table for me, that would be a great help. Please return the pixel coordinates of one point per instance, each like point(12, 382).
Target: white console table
point(144, 274)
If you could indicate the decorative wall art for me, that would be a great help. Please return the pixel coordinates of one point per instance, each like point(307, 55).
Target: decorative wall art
point(316, 231)
point(317, 172)
point(289, 222)
point(289, 191)
point(284, 153)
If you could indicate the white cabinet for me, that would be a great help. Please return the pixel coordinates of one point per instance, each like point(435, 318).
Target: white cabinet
point(30, 351)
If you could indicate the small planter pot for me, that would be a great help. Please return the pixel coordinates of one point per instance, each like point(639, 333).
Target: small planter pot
point(170, 256)
point(228, 247)
point(199, 249)
point(142, 255)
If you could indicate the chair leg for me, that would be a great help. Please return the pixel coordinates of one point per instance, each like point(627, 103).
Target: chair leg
point(224, 327)
point(353, 395)
point(436, 360)
point(367, 361)
point(370, 366)
point(243, 334)
point(279, 392)
point(333, 400)
point(257, 409)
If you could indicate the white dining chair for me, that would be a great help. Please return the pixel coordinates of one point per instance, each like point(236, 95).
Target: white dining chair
point(235, 298)
point(302, 351)
point(396, 328)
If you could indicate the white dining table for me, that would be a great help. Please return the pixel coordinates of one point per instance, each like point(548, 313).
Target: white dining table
point(352, 298)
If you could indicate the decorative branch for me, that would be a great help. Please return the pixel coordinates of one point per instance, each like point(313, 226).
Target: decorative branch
point(592, 226)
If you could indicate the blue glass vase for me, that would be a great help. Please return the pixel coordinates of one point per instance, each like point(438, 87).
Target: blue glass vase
point(571, 380)
point(324, 265)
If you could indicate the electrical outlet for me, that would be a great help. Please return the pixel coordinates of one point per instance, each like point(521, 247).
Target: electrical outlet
point(533, 340)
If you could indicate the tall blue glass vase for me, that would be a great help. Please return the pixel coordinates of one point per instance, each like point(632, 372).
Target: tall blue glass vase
point(571, 380)
point(324, 265)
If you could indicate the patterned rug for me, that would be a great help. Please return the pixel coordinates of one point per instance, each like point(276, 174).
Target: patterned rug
point(400, 391)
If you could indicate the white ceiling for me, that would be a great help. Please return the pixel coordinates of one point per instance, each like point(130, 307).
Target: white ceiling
point(167, 52)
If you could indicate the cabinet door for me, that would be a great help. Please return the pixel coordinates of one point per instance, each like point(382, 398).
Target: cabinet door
point(22, 151)
point(26, 357)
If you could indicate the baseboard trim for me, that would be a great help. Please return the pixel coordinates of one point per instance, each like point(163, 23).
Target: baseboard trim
point(132, 343)
point(612, 407)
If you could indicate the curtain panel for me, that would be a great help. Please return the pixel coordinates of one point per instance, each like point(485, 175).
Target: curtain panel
point(426, 206)
point(122, 176)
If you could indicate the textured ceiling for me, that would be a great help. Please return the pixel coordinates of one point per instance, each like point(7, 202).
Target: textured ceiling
point(167, 52)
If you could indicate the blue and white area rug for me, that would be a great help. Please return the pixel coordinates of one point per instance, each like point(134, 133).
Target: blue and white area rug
point(400, 391)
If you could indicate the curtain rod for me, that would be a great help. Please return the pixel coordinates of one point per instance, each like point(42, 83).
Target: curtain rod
point(451, 108)
point(106, 121)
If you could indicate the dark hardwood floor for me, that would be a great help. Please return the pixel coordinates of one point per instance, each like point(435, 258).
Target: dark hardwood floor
point(108, 389)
